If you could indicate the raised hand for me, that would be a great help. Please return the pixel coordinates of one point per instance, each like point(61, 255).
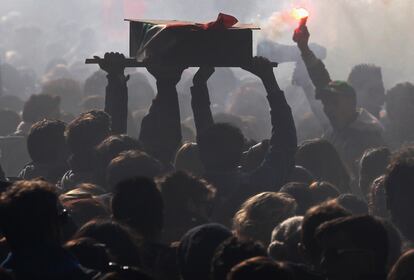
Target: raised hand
point(164, 72)
point(202, 75)
point(301, 37)
point(261, 67)
point(113, 63)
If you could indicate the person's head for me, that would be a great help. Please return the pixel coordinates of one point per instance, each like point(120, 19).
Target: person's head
point(95, 84)
point(339, 103)
point(41, 106)
point(87, 131)
point(377, 202)
point(93, 102)
point(110, 148)
point(285, 241)
point(255, 156)
point(323, 161)
point(232, 252)
point(313, 218)
point(404, 267)
point(399, 182)
point(373, 164)
point(30, 215)
point(186, 198)
point(353, 248)
point(8, 121)
point(130, 164)
point(68, 90)
point(367, 81)
point(89, 252)
point(260, 214)
point(353, 204)
point(399, 104)
point(221, 147)
point(46, 142)
point(260, 268)
point(126, 273)
point(119, 240)
point(301, 193)
point(323, 191)
point(138, 203)
point(188, 159)
point(83, 210)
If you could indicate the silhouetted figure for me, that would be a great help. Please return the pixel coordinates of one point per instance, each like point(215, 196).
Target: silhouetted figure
point(221, 145)
point(352, 130)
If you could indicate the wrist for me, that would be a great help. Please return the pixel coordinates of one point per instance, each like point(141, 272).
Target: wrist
point(304, 48)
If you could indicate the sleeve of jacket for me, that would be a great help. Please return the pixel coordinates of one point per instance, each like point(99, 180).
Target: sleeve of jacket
point(317, 71)
point(161, 127)
point(200, 104)
point(116, 102)
point(279, 161)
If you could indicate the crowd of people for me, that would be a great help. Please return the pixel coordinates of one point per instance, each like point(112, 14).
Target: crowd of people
point(213, 177)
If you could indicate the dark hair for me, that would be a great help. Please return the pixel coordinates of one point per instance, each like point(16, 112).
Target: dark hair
point(373, 164)
point(89, 252)
point(353, 204)
point(127, 273)
point(323, 161)
point(28, 211)
point(301, 193)
point(365, 232)
point(46, 141)
point(40, 106)
point(110, 148)
point(362, 73)
point(230, 253)
point(138, 203)
point(130, 164)
point(87, 131)
point(403, 269)
point(313, 218)
point(188, 159)
point(260, 268)
point(323, 191)
point(221, 147)
point(9, 120)
point(401, 92)
point(179, 190)
point(399, 191)
point(119, 240)
point(84, 210)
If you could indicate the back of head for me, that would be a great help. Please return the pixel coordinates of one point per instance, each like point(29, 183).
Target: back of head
point(323, 191)
point(95, 84)
point(46, 141)
point(301, 193)
point(285, 241)
point(87, 131)
point(361, 243)
point(41, 106)
point(323, 161)
point(259, 215)
point(118, 239)
point(367, 80)
point(353, 204)
point(399, 182)
point(29, 214)
point(9, 120)
point(372, 165)
point(232, 252)
point(68, 90)
point(398, 103)
point(196, 250)
point(138, 203)
point(260, 268)
point(313, 218)
point(188, 159)
point(221, 147)
point(130, 164)
point(403, 268)
point(110, 148)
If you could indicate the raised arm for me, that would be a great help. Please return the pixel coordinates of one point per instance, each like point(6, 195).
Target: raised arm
point(279, 160)
point(116, 96)
point(316, 68)
point(200, 99)
point(161, 127)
